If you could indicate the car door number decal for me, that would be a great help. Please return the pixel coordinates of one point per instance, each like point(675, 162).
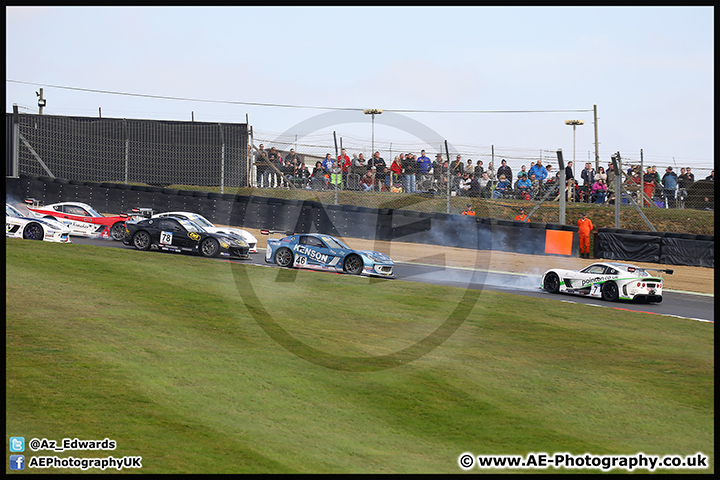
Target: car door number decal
point(166, 238)
point(300, 260)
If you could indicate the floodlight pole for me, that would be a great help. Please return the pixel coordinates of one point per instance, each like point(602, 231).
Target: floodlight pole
point(574, 124)
point(373, 112)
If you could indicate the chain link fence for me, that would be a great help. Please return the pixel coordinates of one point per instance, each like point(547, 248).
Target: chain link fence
point(688, 208)
point(225, 158)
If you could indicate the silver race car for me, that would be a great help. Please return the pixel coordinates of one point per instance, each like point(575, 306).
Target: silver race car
point(18, 225)
point(607, 280)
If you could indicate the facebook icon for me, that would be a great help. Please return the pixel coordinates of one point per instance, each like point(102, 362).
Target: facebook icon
point(17, 462)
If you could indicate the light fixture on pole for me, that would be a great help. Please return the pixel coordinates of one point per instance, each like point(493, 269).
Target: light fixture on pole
point(373, 112)
point(574, 124)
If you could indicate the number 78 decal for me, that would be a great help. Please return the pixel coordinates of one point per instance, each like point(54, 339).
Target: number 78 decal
point(166, 237)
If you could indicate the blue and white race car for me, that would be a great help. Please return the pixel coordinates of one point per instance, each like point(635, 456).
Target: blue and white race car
point(18, 225)
point(607, 280)
point(325, 252)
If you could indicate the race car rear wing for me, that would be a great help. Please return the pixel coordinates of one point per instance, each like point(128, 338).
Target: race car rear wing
point(281, 232)
point(33, 202)
point(657, 271)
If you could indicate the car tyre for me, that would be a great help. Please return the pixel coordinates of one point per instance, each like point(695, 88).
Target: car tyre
point(552, 283)
point(141, 240)
point(284, 257)
point(610, 291)
point(33, 231)
point(210, 247)
point(117, 231)
point(353, 265)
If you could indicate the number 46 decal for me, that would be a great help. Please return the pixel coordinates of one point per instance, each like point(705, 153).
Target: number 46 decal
point(166, 237)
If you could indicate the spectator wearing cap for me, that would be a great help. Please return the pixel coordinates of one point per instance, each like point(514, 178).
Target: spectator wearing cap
point(523, 185)
point(521, 217)
point(469, 211)
point(670, 183)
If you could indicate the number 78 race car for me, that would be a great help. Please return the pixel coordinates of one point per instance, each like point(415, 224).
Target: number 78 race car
point(607, 280)
point(324, 252)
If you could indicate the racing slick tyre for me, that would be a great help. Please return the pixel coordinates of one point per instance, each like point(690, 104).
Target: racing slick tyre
point(117, 231)
point(610, 291)
point(141, 240)
point(210, 247)
point(284, 257)
point(353, 265)
point(33, 231)
point(552, 283)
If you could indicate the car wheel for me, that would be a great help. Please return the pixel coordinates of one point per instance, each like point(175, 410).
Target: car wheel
point(117, 231)
point(610, 291)
point(33, 231)
point(552, 283)
point(210, 247)
point(353, 264)
point(141, 240)
point(284, 257)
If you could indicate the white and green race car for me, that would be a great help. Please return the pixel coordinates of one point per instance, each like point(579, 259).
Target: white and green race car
point(607, 280)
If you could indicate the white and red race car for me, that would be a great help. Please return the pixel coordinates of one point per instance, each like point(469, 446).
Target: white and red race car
point(18, 225)
point(607, 280)
point(81, 218)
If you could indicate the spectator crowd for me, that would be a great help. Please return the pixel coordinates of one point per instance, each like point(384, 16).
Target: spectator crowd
point(411, 173)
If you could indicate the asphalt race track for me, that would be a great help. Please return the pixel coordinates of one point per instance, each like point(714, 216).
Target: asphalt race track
point(692, 306)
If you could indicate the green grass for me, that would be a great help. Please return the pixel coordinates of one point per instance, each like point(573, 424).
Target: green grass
point(165, 354)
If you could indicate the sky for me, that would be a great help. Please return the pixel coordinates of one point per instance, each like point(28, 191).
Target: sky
point(505, 78)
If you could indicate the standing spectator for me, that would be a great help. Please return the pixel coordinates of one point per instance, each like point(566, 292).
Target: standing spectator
point(550, 175)
point(469, 211)
point(410, 168)
point(275, 161)
point(569, 175)
point(585, 226)
point(504, 170)
point(359, 167)
point(587, 175)
point(690, 175)
point(682, 179)
point(600, 175)
point(491, 172)
point(539, 171)
point(424, 165)
point(710, 177)
point(456, 167)
point(396, 170)
point(658, 179)
point(344, 163)
point(328, 164)
point(521, 217)
point(599, 191)
point(669, 183)
point(262, 166)
point(479, 169)
point(439, 169)
point(381, 170)
point(291, 166)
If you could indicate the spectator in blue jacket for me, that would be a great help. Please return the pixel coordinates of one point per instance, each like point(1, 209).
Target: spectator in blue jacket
point(670, 183)
point(539, 171)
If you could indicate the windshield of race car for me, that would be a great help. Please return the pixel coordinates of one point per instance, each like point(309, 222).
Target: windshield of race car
point(11, 211)
point(191, 226)
point(202, 221)
point(334, 243)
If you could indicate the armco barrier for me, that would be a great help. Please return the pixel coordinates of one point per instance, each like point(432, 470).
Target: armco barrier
point(310, 216)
